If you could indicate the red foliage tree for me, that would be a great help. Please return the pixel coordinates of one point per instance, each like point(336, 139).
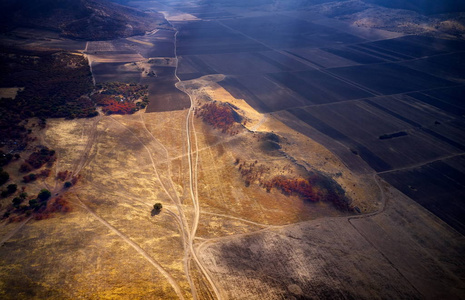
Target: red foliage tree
point(218, 116)
point(37, 159)
point(55, 205)
point(118, 107)
point(298, 186)
point(63, 175)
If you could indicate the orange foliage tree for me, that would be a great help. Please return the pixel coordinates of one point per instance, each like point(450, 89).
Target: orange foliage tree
point(118, 107)
point(298, 186)
point(217, 115)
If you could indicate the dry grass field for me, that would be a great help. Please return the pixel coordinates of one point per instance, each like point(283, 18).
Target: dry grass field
point(375, 257)
point(221, 239)
point(112, 245)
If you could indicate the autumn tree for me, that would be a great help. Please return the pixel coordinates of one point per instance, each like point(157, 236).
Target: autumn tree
point(220, 116)
point(62, 175)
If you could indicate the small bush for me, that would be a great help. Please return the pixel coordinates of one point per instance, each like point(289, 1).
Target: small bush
point(24, 168)
point(157, 206)
point(44, 195)
point(17, 201)
point(4, 176)
point(44, 173)
point(29, 178)
point(33, 203)
point(11, 188)
point(37, 159)
point(62, 175)
point(5, 158)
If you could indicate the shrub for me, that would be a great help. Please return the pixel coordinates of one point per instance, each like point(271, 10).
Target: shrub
point(75, 179)
point(55, 205)
point(38, 158)
point(4, 176)
point(157, 206)
point(33, 203)
point(17, 201)
point(44, 173)
point(24, 168)
point(29, 178)
point(11, 188)
point(5, 158)
point(44, 195)
point(62, 175)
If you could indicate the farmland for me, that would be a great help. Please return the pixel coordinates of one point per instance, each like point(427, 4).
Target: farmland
point(137, 60)
point(333, 90)
point(283, 154)
point(388, 106)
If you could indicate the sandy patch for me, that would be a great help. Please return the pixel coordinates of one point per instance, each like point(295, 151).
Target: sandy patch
point(115, 58)
point(139, 41)
point(10, 92)
point(177, 16)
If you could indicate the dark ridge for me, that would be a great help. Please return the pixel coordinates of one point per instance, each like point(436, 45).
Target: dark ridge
point(78, 19)
point(423, 6)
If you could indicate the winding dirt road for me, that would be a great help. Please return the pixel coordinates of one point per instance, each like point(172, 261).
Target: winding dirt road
point(193, 170)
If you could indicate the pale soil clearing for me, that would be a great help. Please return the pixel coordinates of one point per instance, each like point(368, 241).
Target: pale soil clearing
point(10, 92)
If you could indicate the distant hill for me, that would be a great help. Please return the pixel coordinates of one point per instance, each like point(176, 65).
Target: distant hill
point(80, 19)
point(423, 6)
point(420, 6)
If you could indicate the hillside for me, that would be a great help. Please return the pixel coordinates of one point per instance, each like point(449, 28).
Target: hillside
point(79, 19)
point(422, 6)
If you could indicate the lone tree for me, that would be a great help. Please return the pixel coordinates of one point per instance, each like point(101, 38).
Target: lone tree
point(157, 206)
point(44, 195)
